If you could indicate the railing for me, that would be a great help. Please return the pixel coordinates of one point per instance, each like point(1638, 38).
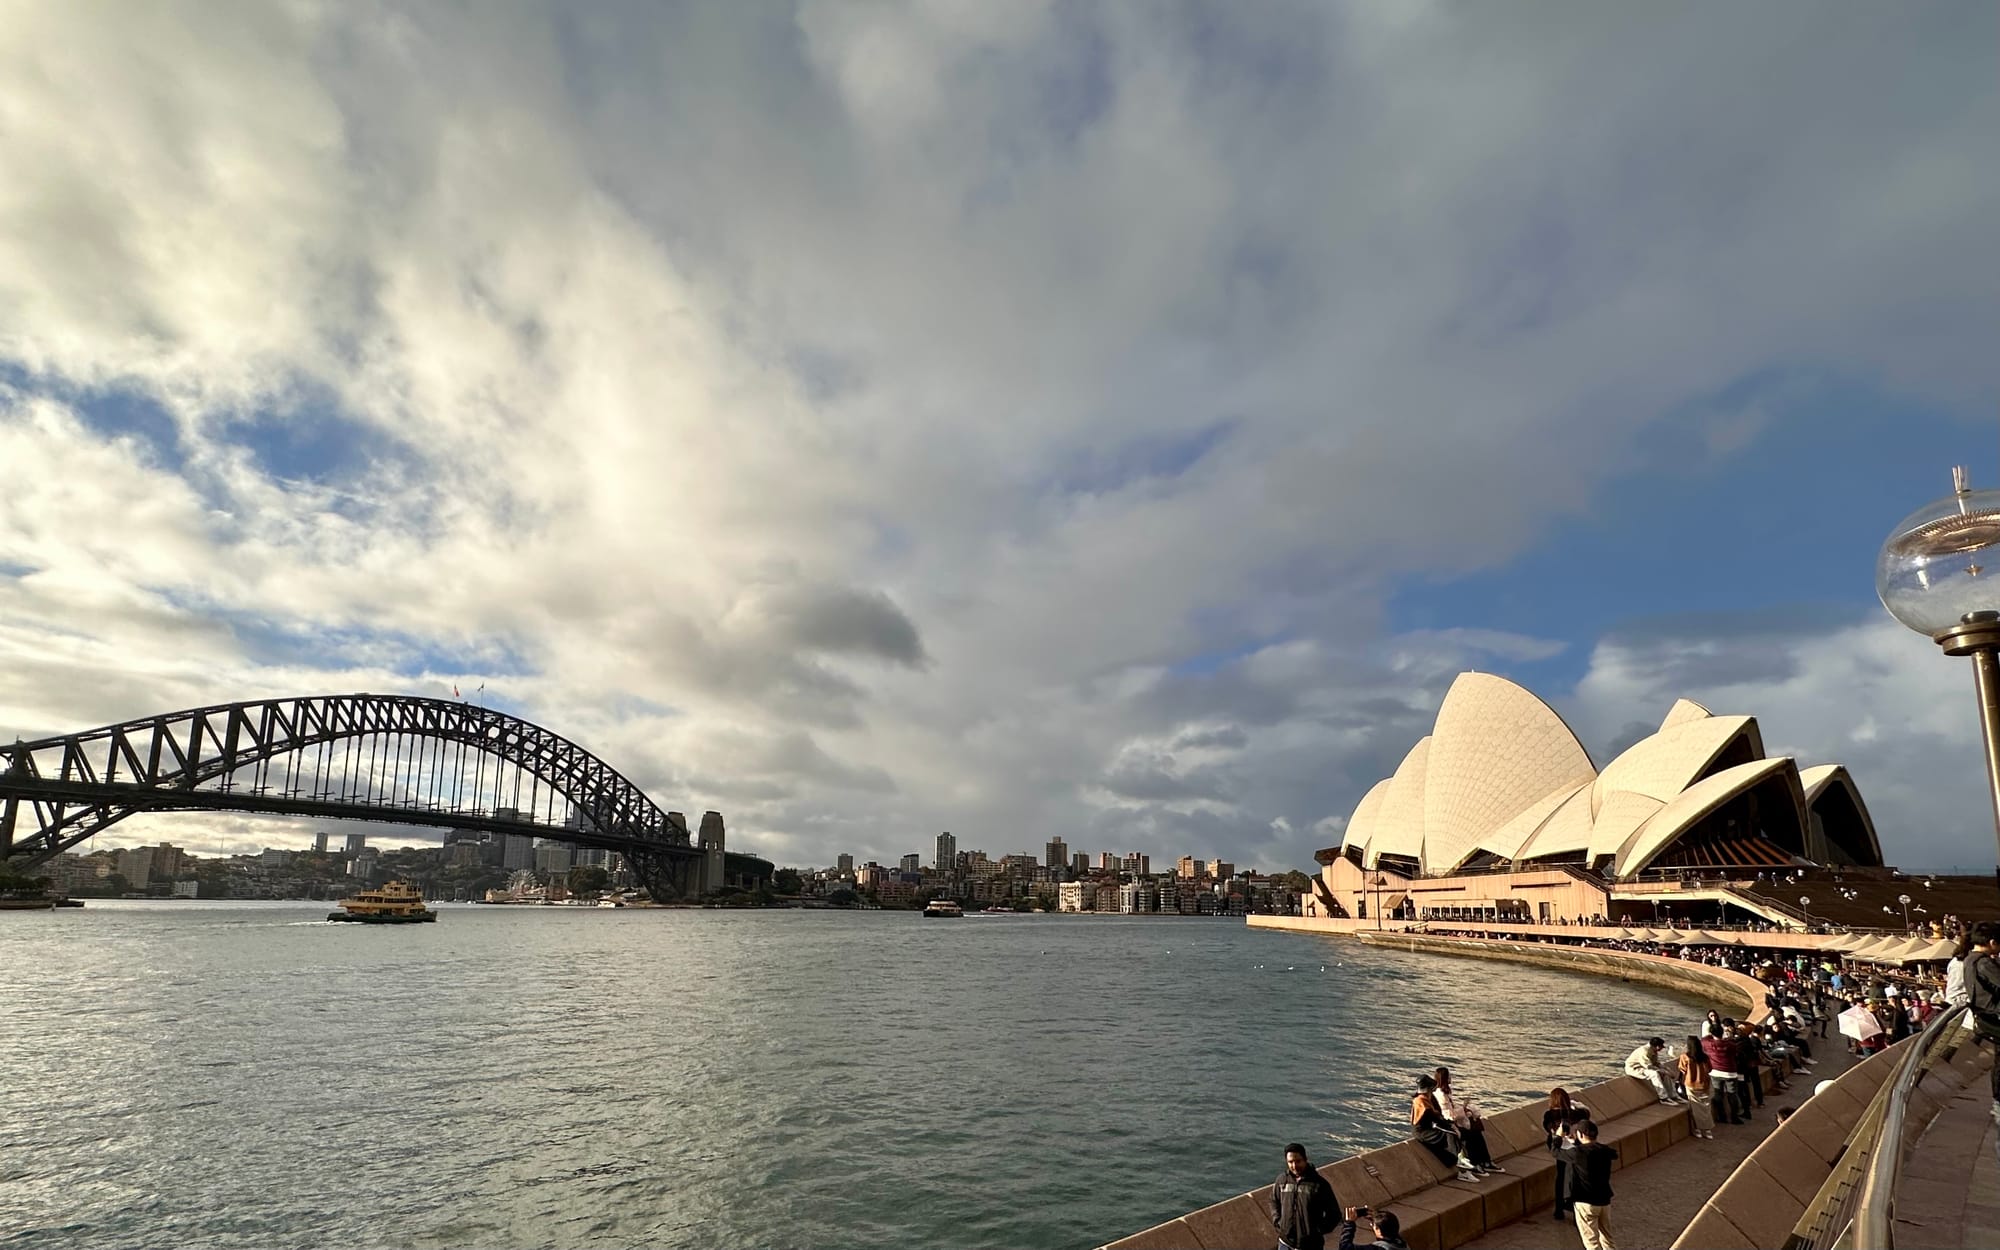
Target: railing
point(1877, 1198)
point(1853, 1209)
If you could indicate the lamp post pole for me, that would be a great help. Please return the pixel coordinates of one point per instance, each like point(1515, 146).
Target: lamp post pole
point(1804, 903)
point(1904, 899)
point(1929, 577)
point(1378, 883)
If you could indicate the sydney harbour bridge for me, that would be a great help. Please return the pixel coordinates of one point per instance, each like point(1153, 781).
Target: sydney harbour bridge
point(391, 758)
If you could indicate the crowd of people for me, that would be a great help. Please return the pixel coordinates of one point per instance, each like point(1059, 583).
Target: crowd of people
point(1723, 1072)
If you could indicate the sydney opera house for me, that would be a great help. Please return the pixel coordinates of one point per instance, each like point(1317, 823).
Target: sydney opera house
point(1501, 813)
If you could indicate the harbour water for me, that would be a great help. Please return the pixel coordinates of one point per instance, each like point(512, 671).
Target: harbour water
point(221, 1075)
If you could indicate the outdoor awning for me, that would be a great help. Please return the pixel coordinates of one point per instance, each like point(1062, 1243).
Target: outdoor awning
point(1873, 948)
point(1917, 949)
point(1700, 939)
point(1391, 902)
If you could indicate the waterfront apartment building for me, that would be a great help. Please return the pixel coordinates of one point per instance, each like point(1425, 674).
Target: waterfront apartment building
point(1076, 896)
point(913, 863)
point(1107, 898)
point(945, 858)
point(1055, 854)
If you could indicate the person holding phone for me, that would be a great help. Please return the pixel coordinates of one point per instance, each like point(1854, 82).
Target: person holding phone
point(1387, 1228)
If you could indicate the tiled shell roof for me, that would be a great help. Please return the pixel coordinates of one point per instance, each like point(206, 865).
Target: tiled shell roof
point(1496, 751)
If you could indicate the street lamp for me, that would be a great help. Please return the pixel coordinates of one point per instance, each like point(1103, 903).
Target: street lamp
point(1805, 902)
point(1378, 883)
point(1932, 576)
point(1904, 899)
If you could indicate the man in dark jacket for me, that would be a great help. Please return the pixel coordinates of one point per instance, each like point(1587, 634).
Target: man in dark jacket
point(1303, 1206)
point(1590, 1185)
point(1982, 981)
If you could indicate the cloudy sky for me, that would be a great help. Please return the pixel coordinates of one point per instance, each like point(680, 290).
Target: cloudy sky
point(1118, 421)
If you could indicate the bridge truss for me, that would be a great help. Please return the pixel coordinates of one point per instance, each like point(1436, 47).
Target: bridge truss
point(395, 758)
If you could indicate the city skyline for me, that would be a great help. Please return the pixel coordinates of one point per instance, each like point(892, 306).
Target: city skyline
point(991, 417)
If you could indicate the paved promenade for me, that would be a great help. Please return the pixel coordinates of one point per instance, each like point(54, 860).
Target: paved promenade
point(1950, 1190)
point(1655, 1198)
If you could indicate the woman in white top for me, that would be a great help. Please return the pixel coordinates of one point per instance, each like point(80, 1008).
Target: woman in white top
point(1955, 992)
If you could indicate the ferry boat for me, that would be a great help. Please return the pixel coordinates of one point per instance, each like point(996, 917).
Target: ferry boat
point(943, 907)
point(394, 903)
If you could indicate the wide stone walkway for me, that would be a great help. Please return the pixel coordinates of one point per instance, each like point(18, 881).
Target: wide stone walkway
point(1654, 1199)
point(1949, 1195)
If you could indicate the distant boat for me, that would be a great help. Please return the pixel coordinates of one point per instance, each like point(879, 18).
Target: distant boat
point(999, 911)
point(943, 907)
point(395, 903)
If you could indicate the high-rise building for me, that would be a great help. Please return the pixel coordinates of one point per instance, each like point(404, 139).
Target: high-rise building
point(913, 863)
point(1187, 869)
point(362, 866)
point(552, 858)
point(1107, 861)
point(319, 842)
point(1056, 853)
point(1138, 865)
point(136, 866)
point(1079, 863)
point(356, 842)
point(946, 859)
point(1221, 869)
point(843, 864)
point(519, 853)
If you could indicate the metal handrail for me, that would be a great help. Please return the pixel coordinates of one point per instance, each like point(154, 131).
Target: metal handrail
point(1873, 1210)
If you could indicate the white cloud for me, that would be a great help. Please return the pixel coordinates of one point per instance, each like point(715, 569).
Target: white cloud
point(908, 399)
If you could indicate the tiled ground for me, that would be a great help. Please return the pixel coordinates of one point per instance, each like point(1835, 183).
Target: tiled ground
point(1950, 1190)
point(1654, 1199)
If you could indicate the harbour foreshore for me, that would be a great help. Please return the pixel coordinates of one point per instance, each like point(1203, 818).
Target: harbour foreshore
point(1438, 1213)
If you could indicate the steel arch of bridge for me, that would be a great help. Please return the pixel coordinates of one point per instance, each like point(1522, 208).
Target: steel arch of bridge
point(396, 758)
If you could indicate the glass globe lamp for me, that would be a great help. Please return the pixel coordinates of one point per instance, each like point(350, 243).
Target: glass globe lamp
point(1938, 570)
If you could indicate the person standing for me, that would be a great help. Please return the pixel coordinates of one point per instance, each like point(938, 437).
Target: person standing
point(1700, 1090)
point(1955, 991)
point(1304, 1208)
point(1563, 1113)
point(1590, 1185)
point(1982, 984)
point(1720, 1051)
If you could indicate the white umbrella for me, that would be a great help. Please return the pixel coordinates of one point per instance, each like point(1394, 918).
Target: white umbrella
point(1859, 1023)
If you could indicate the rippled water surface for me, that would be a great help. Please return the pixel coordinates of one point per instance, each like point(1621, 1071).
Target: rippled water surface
point(188, 1074)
